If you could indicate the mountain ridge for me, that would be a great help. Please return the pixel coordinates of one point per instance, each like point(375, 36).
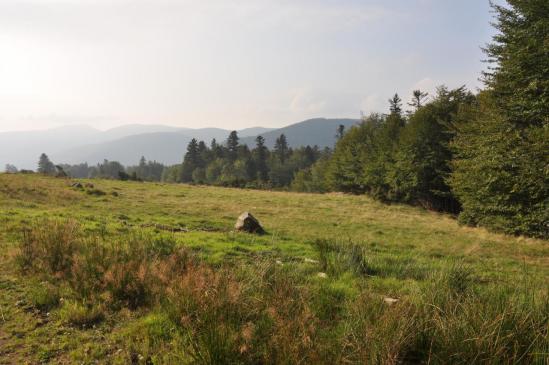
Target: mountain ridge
point(165, 144)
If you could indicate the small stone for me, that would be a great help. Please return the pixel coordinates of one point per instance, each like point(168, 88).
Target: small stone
point(278, 262)
point(390, 301)
point(322, 275)
point(310, 261)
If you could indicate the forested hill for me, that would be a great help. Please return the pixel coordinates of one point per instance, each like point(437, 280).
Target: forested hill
point(320, 132)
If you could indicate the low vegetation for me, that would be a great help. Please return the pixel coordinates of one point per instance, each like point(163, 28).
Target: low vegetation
point(103, 283)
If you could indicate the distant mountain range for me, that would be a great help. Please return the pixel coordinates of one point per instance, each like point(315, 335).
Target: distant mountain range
point(126, 144)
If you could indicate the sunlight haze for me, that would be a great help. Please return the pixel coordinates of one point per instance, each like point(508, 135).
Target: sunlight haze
point(228, 64)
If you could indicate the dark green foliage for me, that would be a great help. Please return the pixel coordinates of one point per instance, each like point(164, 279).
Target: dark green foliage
point(281, 148)
point(397, 160)
point(422, 162)
point(191, 161)
point(519, 55)
point(346, 172)
point(501, 173)
point(395, 105)
point(418, 98)
point(315, 178)
point(232, 146)
point(108, 170)
point(260, 157)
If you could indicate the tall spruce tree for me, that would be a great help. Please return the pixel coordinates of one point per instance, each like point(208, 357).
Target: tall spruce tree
point(232, 146)
point(501, 170)
point(191, 161)
point(260, 155)
point(395, 104)
point(418, 99)
point(281, 149)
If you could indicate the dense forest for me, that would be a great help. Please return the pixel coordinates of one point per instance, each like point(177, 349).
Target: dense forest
point(483, 156)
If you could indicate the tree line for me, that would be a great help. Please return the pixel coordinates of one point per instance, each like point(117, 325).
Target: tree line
point(223, 164)
point(484, 156)
point(234, 164)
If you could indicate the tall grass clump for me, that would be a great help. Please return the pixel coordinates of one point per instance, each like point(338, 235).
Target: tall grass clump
point(49, 246)
point(128, 270)
point(492, 324)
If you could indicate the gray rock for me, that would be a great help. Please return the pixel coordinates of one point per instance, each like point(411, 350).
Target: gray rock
point(248, 223)
point(77, 185)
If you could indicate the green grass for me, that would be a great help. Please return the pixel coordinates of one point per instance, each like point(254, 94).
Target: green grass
point(87, 277)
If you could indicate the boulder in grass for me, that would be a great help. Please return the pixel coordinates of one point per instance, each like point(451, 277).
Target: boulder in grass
point(77, 185)
point(248, 223)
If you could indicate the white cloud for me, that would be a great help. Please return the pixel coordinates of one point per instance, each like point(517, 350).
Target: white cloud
point(373, 103)
point(306, 100)
point(426, 84)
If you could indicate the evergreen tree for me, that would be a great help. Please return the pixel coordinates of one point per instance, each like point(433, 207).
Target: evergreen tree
point(501, 174)
point(422, 162)
point(418, 98)
point(191, 161)
point(216, 149)
point(281, 149)
point(232, 146)
point(142, 168)
point(346, 168)
point(260, 155)
point(518, 78)
point(45, 166)
point(395, 104)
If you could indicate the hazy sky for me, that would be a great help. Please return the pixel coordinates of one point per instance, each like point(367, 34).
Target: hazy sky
point(228, 63)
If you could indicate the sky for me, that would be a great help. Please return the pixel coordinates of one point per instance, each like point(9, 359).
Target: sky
point(228, 63)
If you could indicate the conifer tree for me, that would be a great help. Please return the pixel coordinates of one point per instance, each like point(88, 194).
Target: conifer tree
point(501, 174)
point(395, 104)
point(45, 166)
point(191, 161)
point(281, 149)
point(260, 155)
point(232, 146)
point(418, 98)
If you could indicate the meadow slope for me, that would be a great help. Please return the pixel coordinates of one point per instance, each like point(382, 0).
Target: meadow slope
point(367, 253)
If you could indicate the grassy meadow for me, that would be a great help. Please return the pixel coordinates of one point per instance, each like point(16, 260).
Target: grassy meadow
point(150, 273)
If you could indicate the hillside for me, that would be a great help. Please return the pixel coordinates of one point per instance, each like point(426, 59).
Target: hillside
point(339, 264)
point(320, 132)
